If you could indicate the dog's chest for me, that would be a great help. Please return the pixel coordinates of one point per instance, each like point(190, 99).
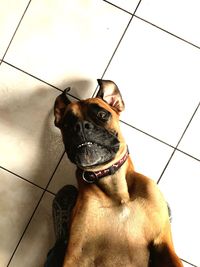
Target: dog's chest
point(110, 236)
point(122, 219)
point(109, 233)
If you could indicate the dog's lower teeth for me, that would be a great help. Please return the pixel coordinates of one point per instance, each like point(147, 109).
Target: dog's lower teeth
point(85, 144)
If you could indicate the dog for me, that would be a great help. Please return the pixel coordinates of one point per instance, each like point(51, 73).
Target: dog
point(120, 218)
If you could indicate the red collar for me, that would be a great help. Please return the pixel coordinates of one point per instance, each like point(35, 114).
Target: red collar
point(92, 177)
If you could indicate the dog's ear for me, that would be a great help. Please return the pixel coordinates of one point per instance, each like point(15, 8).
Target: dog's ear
point(59, 107)
point(110, 93)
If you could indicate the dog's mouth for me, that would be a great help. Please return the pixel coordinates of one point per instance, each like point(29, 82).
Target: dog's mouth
point(89, 154)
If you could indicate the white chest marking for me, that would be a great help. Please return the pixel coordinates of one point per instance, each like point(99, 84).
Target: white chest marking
point(124, 213)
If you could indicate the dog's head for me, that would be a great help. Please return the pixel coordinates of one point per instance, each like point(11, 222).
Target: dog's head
point(90, 128)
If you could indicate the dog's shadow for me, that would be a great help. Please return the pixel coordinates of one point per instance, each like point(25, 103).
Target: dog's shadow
point(80, 89)
point(40, 159)
point(53, 162)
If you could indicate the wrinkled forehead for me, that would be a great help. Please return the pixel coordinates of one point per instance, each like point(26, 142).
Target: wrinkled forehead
point(81, 108)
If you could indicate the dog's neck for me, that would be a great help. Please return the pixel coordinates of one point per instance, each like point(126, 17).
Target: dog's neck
point(114, 186)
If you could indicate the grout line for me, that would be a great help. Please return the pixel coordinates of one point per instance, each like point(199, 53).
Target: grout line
point(122, 37)
point(118, 7)
point(54, 171)
point(159, 140)
point(50, 192)
point(26, 180)
point(189, 263)
point(172, 34)
point(139, 130)
point(9, 64)
point(35, 210)
point(166, 166)
point(31, 75)
point(22, 178)
point(15, 31)
point(178, 143)
point(187, 154)
point(188, 124)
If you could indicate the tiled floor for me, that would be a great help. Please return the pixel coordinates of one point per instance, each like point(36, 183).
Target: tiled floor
point(151, 49)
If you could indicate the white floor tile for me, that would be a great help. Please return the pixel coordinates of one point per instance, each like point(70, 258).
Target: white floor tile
point(10, 15)
point(128, 5)
point(158, 76)
point(180, 185)
point(65, 174)
point(69, 41)
point(38, 239)
point(29, 143)
point(181, 17)
point(149, 156)
point(190, 142)
point(18, 199)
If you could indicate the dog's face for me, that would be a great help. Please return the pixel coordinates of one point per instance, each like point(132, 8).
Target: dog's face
point(90, 128)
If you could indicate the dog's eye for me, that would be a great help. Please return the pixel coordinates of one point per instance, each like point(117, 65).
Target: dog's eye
point(103, 115)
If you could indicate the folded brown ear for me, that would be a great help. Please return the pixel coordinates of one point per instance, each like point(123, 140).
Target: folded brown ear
point(59, 107)
point(110, 93)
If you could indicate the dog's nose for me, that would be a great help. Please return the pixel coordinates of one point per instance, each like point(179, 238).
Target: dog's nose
point(83, 126)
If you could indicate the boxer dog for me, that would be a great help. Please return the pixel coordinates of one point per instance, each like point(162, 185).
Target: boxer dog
point(120, 218)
